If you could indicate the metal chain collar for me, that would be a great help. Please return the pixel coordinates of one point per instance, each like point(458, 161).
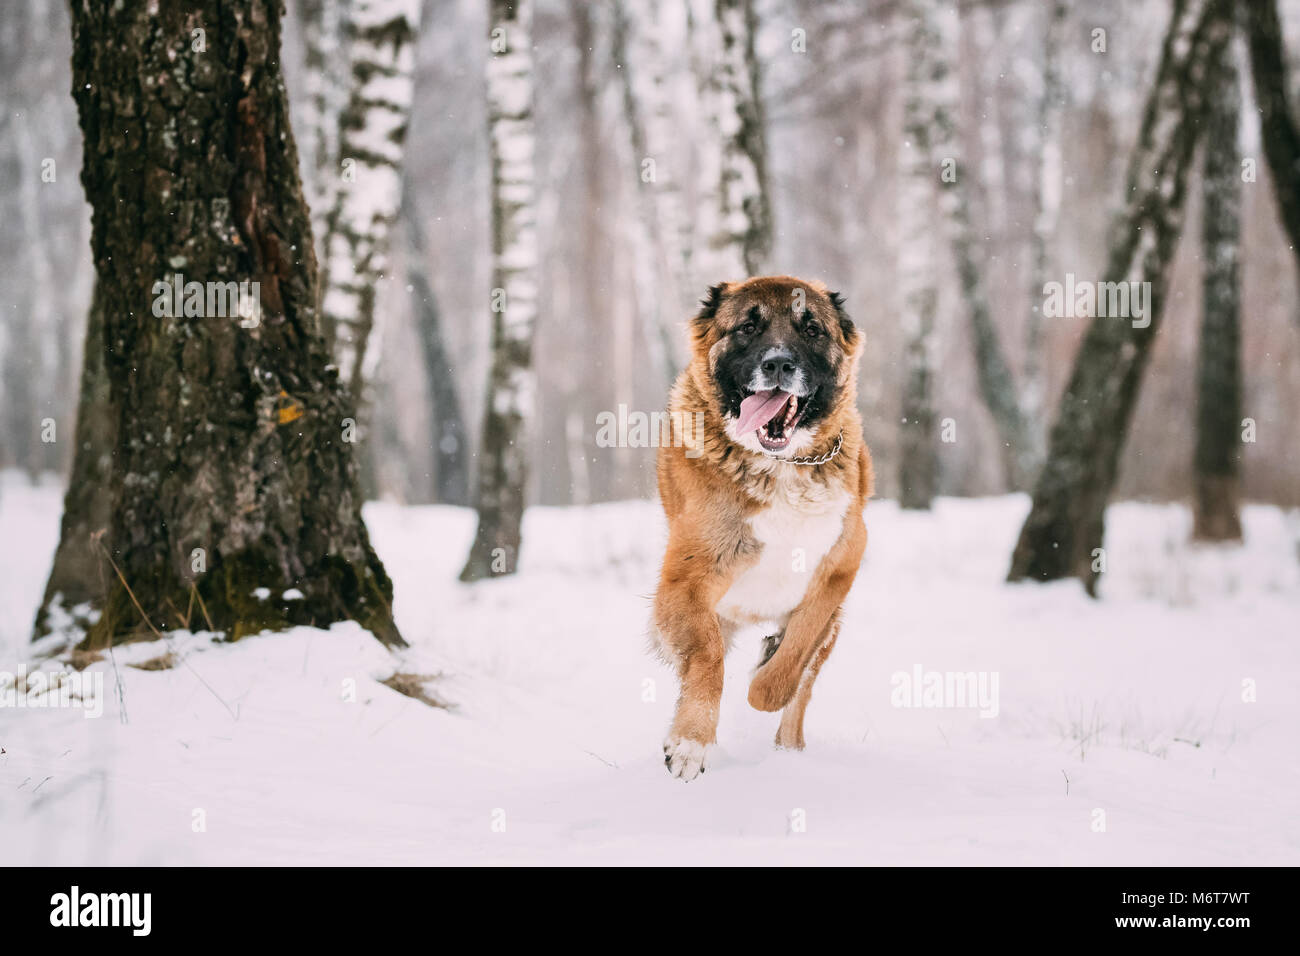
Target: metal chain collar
point(818, 460)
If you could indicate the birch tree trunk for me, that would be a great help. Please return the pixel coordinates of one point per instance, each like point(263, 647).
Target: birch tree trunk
point(734, 219)
point(20, 364)
point(33, 359)
point(450, 437)
point(366, 190)
point(325, 68)
point(1063, 534)
point(997, 384)
point(925, 75)
point(665, 44)
point(1277, 122)
point(1044, 143)
point(235, 501)
point(502, 466)
point(986, 29)
point(1217, 462)
point(658, 266)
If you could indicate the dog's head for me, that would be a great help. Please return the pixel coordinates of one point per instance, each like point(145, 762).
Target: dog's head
point(782, 355)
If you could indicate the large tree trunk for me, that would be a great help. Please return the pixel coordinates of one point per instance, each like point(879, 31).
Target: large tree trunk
point(734, 217)
point(1063, 533)
point(74, 592)
point(365, 193)
point(997, 385)
point(922, 87)
point(503, 471)
point(1278, 129)
point(1218, 395)
point(235, 501)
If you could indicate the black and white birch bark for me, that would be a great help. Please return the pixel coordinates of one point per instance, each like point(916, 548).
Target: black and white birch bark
point(924, 83)
point(734, 218)
point(1042, 143)
point(659, 263)
point(364, 193)
point(511, 392)
point(325, 69)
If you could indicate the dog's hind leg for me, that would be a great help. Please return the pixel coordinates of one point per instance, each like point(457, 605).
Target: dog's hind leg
point(789, 735)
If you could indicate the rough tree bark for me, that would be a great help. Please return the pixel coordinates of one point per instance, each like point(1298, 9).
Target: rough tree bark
point(997, 385)
point(74, 591)
point(925, 75)
point(502, 466)
point(364, 193)
point(1217, 461)
point(235, 501)
point(1278, 129)
point(1066, 525)
point(734, 217)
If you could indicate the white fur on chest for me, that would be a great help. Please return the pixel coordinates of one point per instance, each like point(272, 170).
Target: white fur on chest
point(796, 531)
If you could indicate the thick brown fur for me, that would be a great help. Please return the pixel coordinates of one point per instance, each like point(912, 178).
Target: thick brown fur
point(717, 493)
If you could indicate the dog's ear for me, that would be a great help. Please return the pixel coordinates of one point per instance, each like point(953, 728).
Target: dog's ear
point(851, 333)
point(709, 307)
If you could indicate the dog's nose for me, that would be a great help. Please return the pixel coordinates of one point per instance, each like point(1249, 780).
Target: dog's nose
point(781, 363)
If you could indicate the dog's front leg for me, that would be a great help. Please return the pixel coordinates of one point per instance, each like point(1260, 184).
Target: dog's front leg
point(695, 724)
point(776, 681)
point(692, 638)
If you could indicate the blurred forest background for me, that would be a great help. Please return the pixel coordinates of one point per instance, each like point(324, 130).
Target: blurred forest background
point(830, 76)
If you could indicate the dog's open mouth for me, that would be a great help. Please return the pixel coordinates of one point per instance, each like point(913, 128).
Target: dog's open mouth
point(772, 416)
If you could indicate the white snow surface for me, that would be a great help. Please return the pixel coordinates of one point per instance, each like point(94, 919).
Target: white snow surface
point(551, 751)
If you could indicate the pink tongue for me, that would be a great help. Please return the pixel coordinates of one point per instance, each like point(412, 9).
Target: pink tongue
point(759, 409)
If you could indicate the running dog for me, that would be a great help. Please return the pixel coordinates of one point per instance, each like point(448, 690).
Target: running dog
point(764, 502)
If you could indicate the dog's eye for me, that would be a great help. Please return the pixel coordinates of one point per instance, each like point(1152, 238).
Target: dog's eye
point(750, 325)
point(812, 330)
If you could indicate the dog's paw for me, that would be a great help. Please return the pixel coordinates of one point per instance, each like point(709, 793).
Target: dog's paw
point(771, 688)
point(686, 759)
point(789, 740)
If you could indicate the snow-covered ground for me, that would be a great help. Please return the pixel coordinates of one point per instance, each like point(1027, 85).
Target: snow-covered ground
point(1125, 729)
